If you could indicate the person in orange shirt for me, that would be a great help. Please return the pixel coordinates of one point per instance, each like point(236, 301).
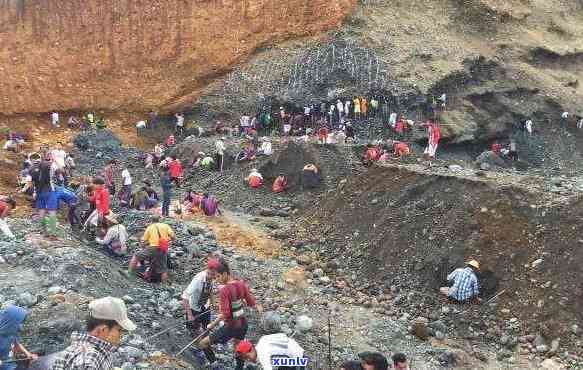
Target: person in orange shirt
point(400, 149)
point(255, 179)
point(364, 106)
point(372, 154)
point(280, 184)
point(356, 102)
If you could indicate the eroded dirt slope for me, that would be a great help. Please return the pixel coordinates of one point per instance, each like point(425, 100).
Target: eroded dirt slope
point(137, 55)
point(402, 228)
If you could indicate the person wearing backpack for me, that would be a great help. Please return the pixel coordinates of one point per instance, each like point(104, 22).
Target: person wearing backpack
point(234, 296)
point(157, 238)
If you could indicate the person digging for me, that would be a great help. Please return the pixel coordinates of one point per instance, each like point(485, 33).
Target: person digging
point(463, 282)
point(234, 295)
point(156, 239)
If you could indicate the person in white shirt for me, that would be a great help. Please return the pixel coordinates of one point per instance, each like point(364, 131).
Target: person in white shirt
point(126, 189)
point(340, 109)
point(528, 126)
point(115, 238)
point(565, 119)
point(244, 123)
point(140, 127)
point(179, 123)
point(196, 298)
point(265, 148)
point(220, 149)
point(272, 346)
point(347, 107)
point(393, 119)
point(55, 119)
point(58, 156)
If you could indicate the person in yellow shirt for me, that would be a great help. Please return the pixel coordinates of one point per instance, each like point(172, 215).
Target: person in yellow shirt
point(356, 103)
point(156, 239)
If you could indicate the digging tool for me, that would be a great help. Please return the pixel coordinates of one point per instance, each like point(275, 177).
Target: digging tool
point(488, 301)
point(329, 339)
point(202, 335)
point(177, 325)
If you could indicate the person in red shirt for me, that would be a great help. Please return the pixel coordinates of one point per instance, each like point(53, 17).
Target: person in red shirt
point(280, 184)
point(400, 125)
point(234, 296)
point(322, 135)
point(175, 170)
point(496, 147)
point(372, 154)
point(170, 141)
point(255, 179)
point(7, 204)
point(100, 198)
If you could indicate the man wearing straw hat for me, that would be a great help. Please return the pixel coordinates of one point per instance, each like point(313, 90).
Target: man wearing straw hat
point(465, 285)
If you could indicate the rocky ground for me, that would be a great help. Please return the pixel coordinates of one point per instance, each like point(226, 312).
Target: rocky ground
point(292, 274)
point(56, 279)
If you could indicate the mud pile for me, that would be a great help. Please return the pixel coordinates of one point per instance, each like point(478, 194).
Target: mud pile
point(400, 229)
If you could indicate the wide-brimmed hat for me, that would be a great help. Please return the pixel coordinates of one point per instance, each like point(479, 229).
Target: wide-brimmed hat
point(474, 264)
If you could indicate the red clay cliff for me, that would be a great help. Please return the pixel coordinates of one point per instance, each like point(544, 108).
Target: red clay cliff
point(138, 54)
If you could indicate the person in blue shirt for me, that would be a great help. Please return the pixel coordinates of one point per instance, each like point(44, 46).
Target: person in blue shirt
point(11, 320)
point(463, 282)
point(69, 197)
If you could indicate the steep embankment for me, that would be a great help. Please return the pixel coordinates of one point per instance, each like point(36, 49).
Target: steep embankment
point(400, 228)
point(499, 61)
point(137, 55)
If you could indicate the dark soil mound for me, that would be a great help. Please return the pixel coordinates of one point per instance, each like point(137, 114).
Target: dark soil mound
point(289, 162)
point(401, 229)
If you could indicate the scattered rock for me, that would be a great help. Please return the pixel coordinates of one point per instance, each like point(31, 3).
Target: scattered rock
point(27, 300)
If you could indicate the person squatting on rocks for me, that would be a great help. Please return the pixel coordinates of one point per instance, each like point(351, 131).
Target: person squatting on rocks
point(197, 297)
point(310, 176)
point(234, 295)
point(275, 345)
point(280, 184)
point(71, 199)
point(463, 282)
point(156, 239)
point(11, 319)
point(255, 179)
point(266, 148)
point(209, 205)
point(94, 349)
point(116, 237)
point(7, 204)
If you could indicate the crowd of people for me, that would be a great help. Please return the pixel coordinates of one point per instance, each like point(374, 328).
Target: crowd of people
point(49, 179)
